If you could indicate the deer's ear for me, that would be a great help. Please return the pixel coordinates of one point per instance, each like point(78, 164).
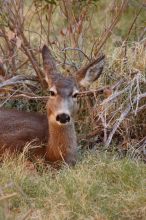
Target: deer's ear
point(88, 74)
point(48, 64)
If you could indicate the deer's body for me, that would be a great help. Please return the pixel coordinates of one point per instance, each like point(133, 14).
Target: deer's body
point(56, 129)
point(24, 127)
point(18, 128)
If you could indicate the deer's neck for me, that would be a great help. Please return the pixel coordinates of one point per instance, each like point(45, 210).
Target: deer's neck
point(62, 143)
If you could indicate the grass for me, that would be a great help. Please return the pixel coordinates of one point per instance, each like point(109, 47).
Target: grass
point(98, 187)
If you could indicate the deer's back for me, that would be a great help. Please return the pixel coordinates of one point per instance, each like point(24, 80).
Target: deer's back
point(17, 128)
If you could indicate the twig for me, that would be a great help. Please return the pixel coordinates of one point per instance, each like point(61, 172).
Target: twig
point(8, 98)
point(2, 198)
point(130, 29)
point(122, 117)
point(93, 92)
point(115, 95)
point(28, 213)
point(16, 80)
point(78, 49)
point(116, 125)
point(134, 20)
point(141, 108)
point(108, 33)
point(137, 4)
point(22, 64)
point(30, 97)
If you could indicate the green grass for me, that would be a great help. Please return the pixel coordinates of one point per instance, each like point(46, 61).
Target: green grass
point(98, 187)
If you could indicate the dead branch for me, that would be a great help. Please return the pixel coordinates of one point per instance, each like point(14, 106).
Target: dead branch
point(15, 24)
point(121, 118)
point(27, 214)
point(16, 80)
point(141, 108)
point(116, 125)
point(115, 95)
point(93, 92)
point(76, 49)
point(2, 198)
point(130, 29)
point(109, 31)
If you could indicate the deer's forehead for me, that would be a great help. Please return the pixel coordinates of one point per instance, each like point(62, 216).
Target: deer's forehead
point(65, 86)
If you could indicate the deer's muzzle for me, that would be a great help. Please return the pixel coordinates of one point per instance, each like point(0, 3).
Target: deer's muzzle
point(63, 118)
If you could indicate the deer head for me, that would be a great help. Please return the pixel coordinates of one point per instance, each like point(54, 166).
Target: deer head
point(63, 91)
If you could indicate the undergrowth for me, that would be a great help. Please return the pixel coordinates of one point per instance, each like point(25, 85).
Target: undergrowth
point(100, 186)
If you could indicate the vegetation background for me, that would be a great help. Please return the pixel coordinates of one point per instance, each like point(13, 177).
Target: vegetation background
point(109, 180)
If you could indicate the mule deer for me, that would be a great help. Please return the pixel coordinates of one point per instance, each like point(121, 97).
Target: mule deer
point(57, 128)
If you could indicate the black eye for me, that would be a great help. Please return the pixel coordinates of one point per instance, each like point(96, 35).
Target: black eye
point(75, 95)
point(52, 93)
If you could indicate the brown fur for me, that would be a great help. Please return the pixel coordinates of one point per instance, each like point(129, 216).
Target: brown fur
point(17, 128)
point(62, 144)
point(23, 127)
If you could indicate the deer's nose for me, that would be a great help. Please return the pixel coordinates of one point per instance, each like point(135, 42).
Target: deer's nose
point(63, 118)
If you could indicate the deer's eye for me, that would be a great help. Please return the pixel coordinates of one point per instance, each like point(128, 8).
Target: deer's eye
point(52, 93)
point(75, 95)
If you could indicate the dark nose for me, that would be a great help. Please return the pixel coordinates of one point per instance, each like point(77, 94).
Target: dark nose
point(63, 118)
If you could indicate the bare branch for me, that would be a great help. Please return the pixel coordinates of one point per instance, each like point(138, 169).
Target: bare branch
point(122, 117)
point(77, 49)
point(16, 80)
point(108, 33)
